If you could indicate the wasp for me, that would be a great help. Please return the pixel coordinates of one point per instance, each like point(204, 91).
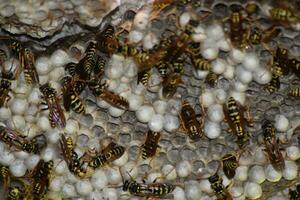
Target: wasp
point(99, 66)
point(70, 68)
point(197, 59)
point(5, 87)
point(42, 169)
point(3, 55)
point(239, 34)
point(17, 190)
point(295, 92)
point(152, 190)
point(5, 175)
point(107, 155)
point(170, 85)
point(294, 64)
point(216, 184)
point(27, 61)
point(71, 98)
point(259, 36)
point(201, 63)
point(41, 179)
point(107, 41)
point(234, 115)
point(162, 68)
point(271, 146)
point(35, 145)
point(86, 65)
point(230, 162)
point(211, 78)
point(294, 194)
point(70, 156)
point(280, 66)
point(274, 84)
point(188, 118)
point(150, 146)
point(100, 90)
point(14, 193)
point(11, 137)
point(284, 15)
point(263, 37)
point(56, 113)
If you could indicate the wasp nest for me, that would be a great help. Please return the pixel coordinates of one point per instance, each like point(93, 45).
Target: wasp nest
point(167, 99)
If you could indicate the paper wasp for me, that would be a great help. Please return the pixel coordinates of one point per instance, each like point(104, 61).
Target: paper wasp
point(234, 115)
point(271, 146)
point(51, 100)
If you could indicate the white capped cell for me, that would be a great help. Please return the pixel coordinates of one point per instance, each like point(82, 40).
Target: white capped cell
point(205, 186)
point(184, 19)
point(290, 170)
point(200, 74)
point(215, 113)
point(135, 36)
point(220, 96)
point(72, 126)
point(84, 187)
point(17, 122)
point(141, 19)
point(262, 76)
point(253, 190)
point(240, 87)
point(57, 183)
point(113, 175)
point(272, 175)
point(224, 45)
point(243, 75)
point(179, 194)
point(149, 41)
point(218, 66)
point(135, 101)
point(237, 55)
point(99, 180)
point(171, 122)
point(293, 152)
point(192, 190)
point(44, 123)
point(169, 172)
point(18, 168)
point(145, 113)
point(32, 161)
point(156, 123)
point(5, 113)
point(7, 158)
point(48, 154)
point(115, 112)
point(241, 173)
point(59, 58)
point(210, 53)
point(281, 123)
point(160, 106)
point(110, 193)
point(19, 106)
point(215, 31)
point(251, 62)
point(212, 130)
point(183, 169)
point(229, 72)
point(68, 191)
point(43, 65)
point(207, 98)
point(257, 174)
